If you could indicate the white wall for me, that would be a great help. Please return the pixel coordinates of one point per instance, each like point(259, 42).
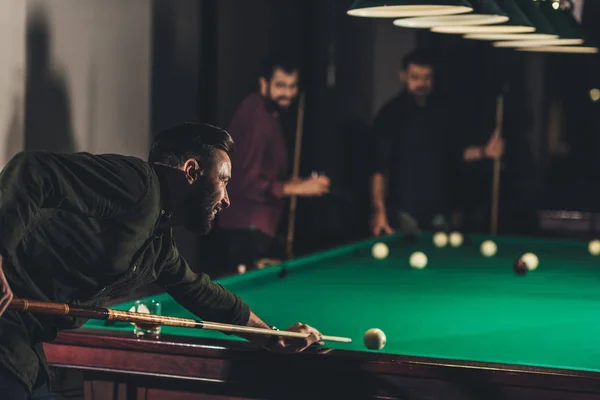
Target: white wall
point(12, 72)
point(97, 84)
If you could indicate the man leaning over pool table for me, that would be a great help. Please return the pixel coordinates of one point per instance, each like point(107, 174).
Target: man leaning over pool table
point(82, 229)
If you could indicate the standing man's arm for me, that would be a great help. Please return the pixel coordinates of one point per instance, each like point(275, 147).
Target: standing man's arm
point(382, 158)
point(247, 175)
point(494, 148)
point(212, 302)
point(78, 183)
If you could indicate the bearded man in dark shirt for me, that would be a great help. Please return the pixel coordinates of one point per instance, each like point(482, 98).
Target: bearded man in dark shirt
point(83, 229)
point(418, 146)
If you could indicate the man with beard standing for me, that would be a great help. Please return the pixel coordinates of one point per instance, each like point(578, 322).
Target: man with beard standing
point(260, 169)
point(417, 145)
point(84, 229)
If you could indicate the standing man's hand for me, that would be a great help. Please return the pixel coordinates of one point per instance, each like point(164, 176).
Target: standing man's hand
point(380, 224)
point(495, 146)
point(493, 149)
point(314, 186)
point(6, 295)
point(287, 345)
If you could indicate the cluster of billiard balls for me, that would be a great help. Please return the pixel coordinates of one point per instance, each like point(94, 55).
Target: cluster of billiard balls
point(418, 260)
point(375, 339)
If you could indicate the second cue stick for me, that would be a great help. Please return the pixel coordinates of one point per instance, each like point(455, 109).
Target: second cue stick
point(496, 177)
point(149, 319)
point(295, 173)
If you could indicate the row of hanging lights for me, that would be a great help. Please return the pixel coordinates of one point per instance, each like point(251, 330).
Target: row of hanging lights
point(525, 25)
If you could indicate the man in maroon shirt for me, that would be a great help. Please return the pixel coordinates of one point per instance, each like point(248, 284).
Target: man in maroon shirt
point(260, 181)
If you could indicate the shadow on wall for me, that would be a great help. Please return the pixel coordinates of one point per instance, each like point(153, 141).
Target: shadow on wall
point(48, 123)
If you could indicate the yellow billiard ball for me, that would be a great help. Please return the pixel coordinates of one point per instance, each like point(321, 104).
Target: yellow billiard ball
point(456, 239)
point(375, 339)
point(440, 239)
point(594, 247)
point(418, 260)
point(380, 250)
point(530, 260)
point(488, 248)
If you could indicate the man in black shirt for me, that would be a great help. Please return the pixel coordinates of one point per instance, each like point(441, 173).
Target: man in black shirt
point(416, 148)
point(83, 229)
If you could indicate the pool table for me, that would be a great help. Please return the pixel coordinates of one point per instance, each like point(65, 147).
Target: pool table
point(464, 327)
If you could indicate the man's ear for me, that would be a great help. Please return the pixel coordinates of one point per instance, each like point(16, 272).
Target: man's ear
point(193, 170)
point(263, 86)
point(403, 76)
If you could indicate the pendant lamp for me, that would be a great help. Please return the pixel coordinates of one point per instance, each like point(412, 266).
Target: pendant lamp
point(517, 21)
point(408, 8)
point(531, 9)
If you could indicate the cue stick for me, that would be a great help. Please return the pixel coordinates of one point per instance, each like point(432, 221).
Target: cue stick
point(496, 176)
point(151, 319)
point(296, 171)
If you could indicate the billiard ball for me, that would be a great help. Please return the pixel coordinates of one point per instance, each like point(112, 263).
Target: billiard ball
point(488, 248)
point(241, 269)
point(375, 339)
point(440, 239)
point(418, 260)
point(456, 239)
point(594, 247)
point(531, 260)
point(380, 250)
point(520, 267)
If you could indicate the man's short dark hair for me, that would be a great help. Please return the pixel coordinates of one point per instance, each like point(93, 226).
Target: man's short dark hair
point(285, 62)
point(176, 145)
point(418, 57)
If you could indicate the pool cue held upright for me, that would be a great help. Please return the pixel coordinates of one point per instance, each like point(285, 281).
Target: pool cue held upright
point(149, 319)
point(496, 176)
point(295, 173)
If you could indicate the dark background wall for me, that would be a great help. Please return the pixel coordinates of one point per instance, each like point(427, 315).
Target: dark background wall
point(207, 56)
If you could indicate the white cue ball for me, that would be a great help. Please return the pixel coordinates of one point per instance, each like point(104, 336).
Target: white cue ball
point(375, 339)
point(488, 248)
point(440, 239)
point(380, 250)
point(530, 260)
point(456, 239)
point(594, 247)
point(241, 269)
point(418, 260)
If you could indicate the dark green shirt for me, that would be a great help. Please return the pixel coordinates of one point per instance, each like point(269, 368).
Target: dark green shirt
point(81, 229)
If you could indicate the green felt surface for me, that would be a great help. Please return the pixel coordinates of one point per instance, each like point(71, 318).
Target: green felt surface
point(462, 306)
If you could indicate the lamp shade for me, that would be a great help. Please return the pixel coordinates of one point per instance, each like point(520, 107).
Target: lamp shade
point(484, 12)
point(565, 25)
point(562, 49)
point(531, 11)
point(517, 21)
point(538, 43)
point(408, 8)
point(510, 36)
point(450, 20)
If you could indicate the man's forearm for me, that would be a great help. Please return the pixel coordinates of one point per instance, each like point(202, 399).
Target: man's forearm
point(377, 185)
point(473, 153)
point(255, 322)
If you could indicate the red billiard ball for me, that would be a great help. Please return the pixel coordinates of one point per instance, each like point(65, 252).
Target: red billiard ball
point(520, 267)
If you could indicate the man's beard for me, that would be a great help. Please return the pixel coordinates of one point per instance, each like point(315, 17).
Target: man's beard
point(421, 92)
point(200, 208)
point(275, 103)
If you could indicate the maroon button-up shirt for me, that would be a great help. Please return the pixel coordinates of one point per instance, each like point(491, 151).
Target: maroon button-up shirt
point(259, 168)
